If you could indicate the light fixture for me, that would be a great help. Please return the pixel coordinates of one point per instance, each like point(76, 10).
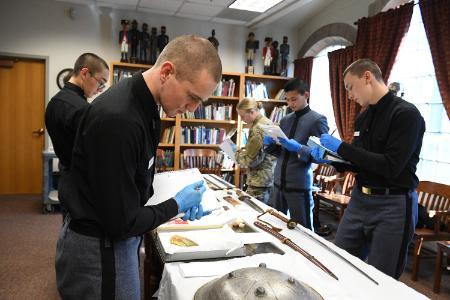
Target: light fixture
point(254, 5)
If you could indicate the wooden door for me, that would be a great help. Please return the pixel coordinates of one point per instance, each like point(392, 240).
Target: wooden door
point(22, 92)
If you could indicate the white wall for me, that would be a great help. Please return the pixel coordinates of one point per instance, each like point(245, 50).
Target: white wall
point(339, 11)
point(43, 28)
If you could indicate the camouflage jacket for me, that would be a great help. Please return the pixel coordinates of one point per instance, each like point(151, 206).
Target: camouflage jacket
point(259, 174)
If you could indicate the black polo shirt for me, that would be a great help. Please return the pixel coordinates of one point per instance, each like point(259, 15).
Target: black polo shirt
point(113, 163)
point(62, 117)
point(386, 144)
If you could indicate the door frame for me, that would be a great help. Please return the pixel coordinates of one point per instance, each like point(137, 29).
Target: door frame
point(46, 60)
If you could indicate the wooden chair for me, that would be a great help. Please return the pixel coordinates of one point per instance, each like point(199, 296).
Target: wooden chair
point(435, 197)
point(203, 159)
point(331, 186)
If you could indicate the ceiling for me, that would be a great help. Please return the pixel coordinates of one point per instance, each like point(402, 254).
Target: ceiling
point(286, 14)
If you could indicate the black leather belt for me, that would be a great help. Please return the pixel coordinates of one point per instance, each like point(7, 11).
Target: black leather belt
point(382, 191)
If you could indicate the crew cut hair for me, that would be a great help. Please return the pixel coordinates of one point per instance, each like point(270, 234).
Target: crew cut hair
point(191, 54)
point(296, 85)
point(91, 61)
point(360, 66)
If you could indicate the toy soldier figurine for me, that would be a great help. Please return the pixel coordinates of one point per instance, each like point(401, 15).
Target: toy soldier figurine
point(124, 39)
point(267, 55)
point(276, 55)
point(250, 49)
point(284, 51)
point(134, 40)
point(153, 45)
point(144, 44)
point(163, 39)
point(213, 39)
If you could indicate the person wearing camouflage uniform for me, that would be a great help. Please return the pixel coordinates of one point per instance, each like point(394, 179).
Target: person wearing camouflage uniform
point(260, 165)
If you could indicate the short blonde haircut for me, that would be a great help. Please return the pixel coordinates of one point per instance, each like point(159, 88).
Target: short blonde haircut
point(362, 65)
point(248, 104)
point(191, 54)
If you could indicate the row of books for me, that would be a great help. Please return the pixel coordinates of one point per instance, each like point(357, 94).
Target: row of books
point(256, 90)
point(219, 161)
point(166, 161)
point(168, 135)
point(278, 113)
point(119, 74)
point(225, 88)
point(215, 111)
point(202, 135)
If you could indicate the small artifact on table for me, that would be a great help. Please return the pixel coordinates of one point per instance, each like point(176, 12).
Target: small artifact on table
point(182, 241)
point(231, 200)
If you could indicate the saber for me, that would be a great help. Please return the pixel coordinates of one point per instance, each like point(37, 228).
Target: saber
point(247, 200)
point(294, 246)
point(293, 225)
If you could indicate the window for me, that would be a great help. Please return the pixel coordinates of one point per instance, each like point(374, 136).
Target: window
point(414, 70)
point(320, 99)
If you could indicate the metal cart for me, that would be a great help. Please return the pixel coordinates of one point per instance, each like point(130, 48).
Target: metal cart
point(50, 194)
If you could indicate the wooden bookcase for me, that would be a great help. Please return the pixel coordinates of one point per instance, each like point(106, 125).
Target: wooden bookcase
point(273, 85)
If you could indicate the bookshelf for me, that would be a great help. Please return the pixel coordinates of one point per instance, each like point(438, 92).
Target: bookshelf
point(217, 113)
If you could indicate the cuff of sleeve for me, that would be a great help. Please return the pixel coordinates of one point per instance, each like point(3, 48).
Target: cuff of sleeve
point(173, 206)
point(304, 153)
point(344, 150)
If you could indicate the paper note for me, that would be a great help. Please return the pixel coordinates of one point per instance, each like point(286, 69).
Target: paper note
point(274, 132)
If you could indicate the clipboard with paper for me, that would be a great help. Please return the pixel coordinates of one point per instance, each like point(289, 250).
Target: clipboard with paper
point(274, 132)
point(325, 153)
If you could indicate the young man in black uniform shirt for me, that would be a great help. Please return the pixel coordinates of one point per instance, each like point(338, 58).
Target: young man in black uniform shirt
point(380, 219)
point(62, 116)
point(112, 171)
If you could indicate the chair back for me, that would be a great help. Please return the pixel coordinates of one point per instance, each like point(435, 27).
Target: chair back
point(435, 197)
point(203, 159)
point(321, 173)
point(349, 183)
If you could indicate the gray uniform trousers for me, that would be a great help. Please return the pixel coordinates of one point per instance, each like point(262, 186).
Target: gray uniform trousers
point(380, 228)
point(299, 203)
point(79, 267)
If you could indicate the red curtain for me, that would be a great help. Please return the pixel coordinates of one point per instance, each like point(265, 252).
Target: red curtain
point(303, 69)
point(379, 37)
point(436, 20)
point(345, 110)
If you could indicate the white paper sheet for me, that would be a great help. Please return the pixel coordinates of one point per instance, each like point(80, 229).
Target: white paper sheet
point(274, 132)
point(228, 146)
point(167, 184)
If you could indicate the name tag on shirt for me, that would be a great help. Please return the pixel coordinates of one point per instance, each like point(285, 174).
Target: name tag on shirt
point(150, 162)
point(356, 133)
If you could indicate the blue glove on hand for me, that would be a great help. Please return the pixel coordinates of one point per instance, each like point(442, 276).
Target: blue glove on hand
point(195, 212)
point(330, 142)
point(233, 147)
point(317, 154)
point(190, 196)
point(268, 140)
point(290, 145)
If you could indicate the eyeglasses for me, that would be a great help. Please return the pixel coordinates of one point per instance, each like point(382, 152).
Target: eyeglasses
point(100, 82)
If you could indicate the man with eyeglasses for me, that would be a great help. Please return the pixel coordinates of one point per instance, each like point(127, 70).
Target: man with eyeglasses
point(64, 110)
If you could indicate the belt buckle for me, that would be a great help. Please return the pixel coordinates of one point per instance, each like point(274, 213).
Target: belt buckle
point(366, 190)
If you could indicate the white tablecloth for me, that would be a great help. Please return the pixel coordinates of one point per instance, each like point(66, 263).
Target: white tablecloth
point(351, 284)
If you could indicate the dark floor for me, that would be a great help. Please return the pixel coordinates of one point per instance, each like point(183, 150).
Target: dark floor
point(27, 251)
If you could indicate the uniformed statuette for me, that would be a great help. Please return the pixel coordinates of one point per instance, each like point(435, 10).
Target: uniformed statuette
point(256, 283)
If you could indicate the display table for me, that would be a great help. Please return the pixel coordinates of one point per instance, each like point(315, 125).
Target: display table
point(181, 280)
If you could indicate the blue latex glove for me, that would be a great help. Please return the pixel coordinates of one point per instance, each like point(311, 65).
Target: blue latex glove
point(316, 154)
point(190, 196)
point(290, 145)
point(233, 147)
point(268, 140)
point(330, 142)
